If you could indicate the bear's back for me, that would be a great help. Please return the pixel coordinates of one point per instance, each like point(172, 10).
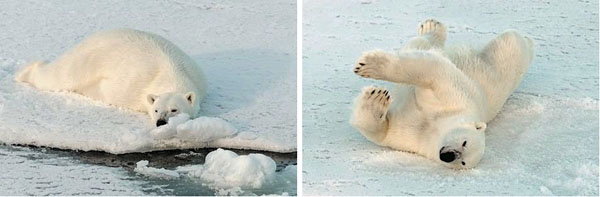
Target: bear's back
point(150, 63)
point(175, 64)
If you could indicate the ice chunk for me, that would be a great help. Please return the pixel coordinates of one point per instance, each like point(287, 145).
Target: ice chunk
point(226, 169)
point(142, 168)
point(201, 129)
point(204, 129)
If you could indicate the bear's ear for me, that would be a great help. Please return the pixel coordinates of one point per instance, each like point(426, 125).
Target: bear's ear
point(151, 98)
point(480, 126)
point(190, 97)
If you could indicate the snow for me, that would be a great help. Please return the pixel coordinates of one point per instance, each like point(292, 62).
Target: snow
point(246, 49)
point(543, 142)
point(215, 128)
point(228, 173)
point(198, 130)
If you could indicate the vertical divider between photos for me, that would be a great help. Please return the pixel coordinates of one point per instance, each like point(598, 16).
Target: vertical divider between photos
point(299, 95)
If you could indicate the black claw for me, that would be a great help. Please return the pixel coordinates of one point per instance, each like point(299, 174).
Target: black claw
point(356, 71)
point(388, 97)
point(385, 92)
point(362, 64)
point(378, 91)
point(372, 92)
point(421, 26)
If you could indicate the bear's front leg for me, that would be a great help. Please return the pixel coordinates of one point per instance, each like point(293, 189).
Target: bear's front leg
point(420, 68)
point(372, 64)
point(370, 113)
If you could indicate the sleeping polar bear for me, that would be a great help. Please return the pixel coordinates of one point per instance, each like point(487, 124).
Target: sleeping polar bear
point(126, 68)
point(444, 97)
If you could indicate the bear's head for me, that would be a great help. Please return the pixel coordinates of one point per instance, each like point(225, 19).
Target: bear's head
point(462, 146)
point(164, 106)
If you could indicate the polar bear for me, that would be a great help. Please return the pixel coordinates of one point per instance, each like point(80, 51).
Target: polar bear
point(125, 68)
point(444, 96)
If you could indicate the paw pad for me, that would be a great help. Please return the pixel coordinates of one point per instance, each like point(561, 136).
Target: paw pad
point(376, 100)
point(434, 28)
point(371, 64)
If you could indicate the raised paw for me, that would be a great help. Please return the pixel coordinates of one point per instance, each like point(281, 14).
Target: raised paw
point(375, 101)
point(372, 64)
point(433, 28)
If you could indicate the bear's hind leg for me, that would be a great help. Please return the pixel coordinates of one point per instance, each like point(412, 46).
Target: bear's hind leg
point(509, 53)
point(41, 75)
point(24, 75)
point(431, 34)
point(369, 115)
point(46, 76)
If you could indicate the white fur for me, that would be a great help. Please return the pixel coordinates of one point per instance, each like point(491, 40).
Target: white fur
point(125, 68)
point(444, 96)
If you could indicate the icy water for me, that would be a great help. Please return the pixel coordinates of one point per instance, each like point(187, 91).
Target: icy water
point(45, 171)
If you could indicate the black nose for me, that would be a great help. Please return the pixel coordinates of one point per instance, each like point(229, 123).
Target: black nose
point(160, 122)
point(447, 157)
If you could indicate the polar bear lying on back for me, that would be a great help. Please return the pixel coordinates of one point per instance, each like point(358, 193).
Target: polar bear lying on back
point(445, 96)
point(126, 68)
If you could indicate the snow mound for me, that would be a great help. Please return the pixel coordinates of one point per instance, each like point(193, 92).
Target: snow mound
point(205, 129)
point(201, 129)
point(226, 169)
point(142, 168)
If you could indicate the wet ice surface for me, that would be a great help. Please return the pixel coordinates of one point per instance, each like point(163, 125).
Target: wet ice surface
point(246, 49)
point(45, 171)
point(544, 141)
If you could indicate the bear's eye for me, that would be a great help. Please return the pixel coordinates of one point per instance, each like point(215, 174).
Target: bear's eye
point(464, 143)
point(174, 110)
point(156, 111)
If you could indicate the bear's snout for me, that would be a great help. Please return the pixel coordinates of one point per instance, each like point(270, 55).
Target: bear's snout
point(160, 122)
point(448, 156)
